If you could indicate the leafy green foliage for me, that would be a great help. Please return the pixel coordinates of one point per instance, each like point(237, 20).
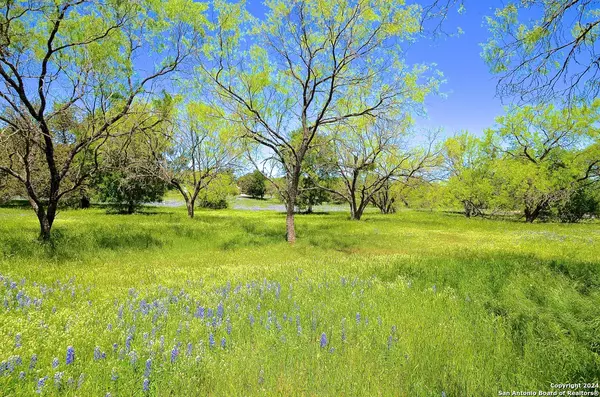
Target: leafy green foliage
point(253, 184)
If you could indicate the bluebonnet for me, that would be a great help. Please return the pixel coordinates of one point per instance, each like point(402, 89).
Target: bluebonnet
point(33, 361)
point(200, 312)
point(18, 340)
point(189, 349)
point(228, 326)
point(58, 379)
point(332, 350)
point(223, 342)
point(109, 327)
point(133, 357)
point(357, 318)
point(40, 384)
point(220, 310)
point(261, 376)
point(115, 347)
point(146, 385)
point(18, 360)
point(70, 355)
point(394, 329)
point(55, 362)
point(210, 313)
point(22, 375)
point(211, 340)
point(162, 342)
point(128, 342)
point(323, 340)
point(251, 317)
point(114, 375)
point(389, 342)
point(299, 329)
point(148, 367)
point(174, 353)
point(97, 353)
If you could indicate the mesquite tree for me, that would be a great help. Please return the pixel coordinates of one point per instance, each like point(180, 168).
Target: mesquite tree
point(366, 158)
point(196, 146)
point(545, 49)
point(79, 57)
point(309, 65)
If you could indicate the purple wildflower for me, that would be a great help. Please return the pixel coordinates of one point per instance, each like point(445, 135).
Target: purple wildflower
point(58, 379)
point(357, 318)
point(174, 353)
point(251, 318)
point(18, 340)
point(22, 375)
point(33, 361)
point(114, 376)
point(148, 367)
point(70, 355)
point(55, 363)
point(133, 357)
point(128, 342)
point(389, 341)
point(211, 340)
point(146, 385)
point(223, 342)
point(323, 340)
point(189, 348)
point(220, 310)
point(200, 312)
point(97, 353)
point(40, 384)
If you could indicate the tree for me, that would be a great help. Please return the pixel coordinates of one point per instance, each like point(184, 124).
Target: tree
point(197, 149)
point(216, 194)
point(548, 153)
point(311, 65)
point(253, 184)
point(77, 59)
point(367, 157)
point(550, 56)
point(469, 166)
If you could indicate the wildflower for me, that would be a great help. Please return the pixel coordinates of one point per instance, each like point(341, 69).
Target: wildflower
point(261, 377)
point(115, 347)
point(332, 350)
point(162, 342)
point(357, 318)
point(40, 384)
point(389, 341)
point(128, 342)
point(97, 353)
point(22, 375)
point(200, 312)
point(58, 379)
point(223, 342)
point(114, 375)
point(220, 310)
point(323, 340)
point(228, 326)
point(55, 362)
point(299, 329)
point(148, 367)
point(251, 318)
point(33, 361)
point(133, 358)
point(174, 354)
point(146, 385)
point(211, 340)
point(394, 329)
point(70, 355)
point(189, 349)
point(18, 340)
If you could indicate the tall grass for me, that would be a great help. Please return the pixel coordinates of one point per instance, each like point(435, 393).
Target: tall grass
point(412, 304)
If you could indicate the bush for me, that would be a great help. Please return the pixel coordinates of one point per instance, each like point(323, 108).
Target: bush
point(580, 203)
point(253, 184)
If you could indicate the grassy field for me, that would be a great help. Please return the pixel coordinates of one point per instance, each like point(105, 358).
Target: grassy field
point(413, 304)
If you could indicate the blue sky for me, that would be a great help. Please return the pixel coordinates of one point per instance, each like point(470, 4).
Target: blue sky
point(470, 103)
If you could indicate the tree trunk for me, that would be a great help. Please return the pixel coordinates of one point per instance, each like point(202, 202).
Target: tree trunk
point(531, 215)
point(130, 208)
point(292, 192)
point(46, 219)
point(190, 208)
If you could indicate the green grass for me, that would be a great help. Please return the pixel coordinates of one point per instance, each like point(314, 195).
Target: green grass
point(462, 306)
